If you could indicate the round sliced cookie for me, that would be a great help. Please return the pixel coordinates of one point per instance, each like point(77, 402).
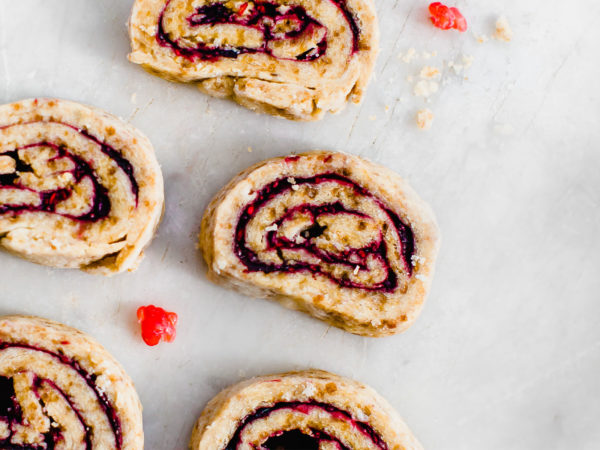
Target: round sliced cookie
point(308, 410)
point(328, 233)
point(292, 58)
point(79, 188)
point(60, 389)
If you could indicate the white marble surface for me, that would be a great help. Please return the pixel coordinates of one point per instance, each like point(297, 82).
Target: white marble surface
point(507, 351)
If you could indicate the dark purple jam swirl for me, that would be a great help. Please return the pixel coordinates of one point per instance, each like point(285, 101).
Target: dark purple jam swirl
point(303, 439)
point(50, 199)
point(352, 258)
point(264, 17)
point(10, 410)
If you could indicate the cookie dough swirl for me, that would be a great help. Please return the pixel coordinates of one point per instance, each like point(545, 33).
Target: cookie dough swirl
point(78, 187)
point(59, 389)
point(328, 233)
point(291, 58)
point(309, 410)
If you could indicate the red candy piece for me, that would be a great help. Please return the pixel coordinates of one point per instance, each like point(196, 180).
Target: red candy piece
point(156, 324)
point(446, 18)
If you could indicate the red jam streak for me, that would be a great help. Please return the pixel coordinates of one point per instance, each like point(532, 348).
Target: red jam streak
point(50, 199)
point(301, 439)
point(352, 258)
point(264, 16)
point(156, 324)
point(10, 410)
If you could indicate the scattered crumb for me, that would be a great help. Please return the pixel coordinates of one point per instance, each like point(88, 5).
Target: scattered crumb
point(467, 61)
point(249, 149)
point(425, 88)
point(429, 72)
point(372, 118)
point(482, 38)
point(291, 180)
point(503, 30)
point(424, 119)
point(459, 67)
point(409, 55)
point(295, 187)
point(387, 108)
point(134, 98)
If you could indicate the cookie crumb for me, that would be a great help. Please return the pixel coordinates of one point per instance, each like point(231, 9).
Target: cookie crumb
point(425, 88)
point(372, 118)
point(429, 72)
point(409, 55)
point(503, 30)
point(482, 38)
point(249, 149)
point(424, 119)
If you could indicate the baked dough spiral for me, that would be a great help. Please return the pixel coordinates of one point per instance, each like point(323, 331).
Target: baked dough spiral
point(308, 410)
point(79, 188)
point(331, 234)
point(292, 58)
point(59, 389)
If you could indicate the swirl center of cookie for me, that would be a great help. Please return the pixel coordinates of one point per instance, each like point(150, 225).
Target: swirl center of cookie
point(326, 225)
point(48, 176)
point(229, 29)
point(48, 400)
point(304, 426)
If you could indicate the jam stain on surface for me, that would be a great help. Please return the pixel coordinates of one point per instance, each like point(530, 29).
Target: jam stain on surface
point(263, 17)
point(359, 256)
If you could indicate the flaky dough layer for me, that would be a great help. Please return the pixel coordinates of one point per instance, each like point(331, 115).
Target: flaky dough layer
point(63, 382)
point(314, 402)
point(261, 61)
point(79, 188)
point(355, 246)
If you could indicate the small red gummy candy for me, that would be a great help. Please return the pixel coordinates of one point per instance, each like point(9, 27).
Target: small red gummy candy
point(156, 324)
point(445, 18)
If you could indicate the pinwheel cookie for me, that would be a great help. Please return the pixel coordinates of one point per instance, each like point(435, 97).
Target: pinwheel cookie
point(331, 234)
point(59, 389)
point(292, 58)
point(310, 410)
point(79, 188)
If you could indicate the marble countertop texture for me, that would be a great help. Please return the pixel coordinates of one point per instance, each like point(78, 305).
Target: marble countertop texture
point(506, 354)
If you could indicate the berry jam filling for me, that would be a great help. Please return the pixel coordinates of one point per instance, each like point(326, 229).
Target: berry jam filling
point(156, 324)
point(304, 439)
point(297, 440)
point(49, 200)
point(10, 410)
point(353, 259)
point(267, 18)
